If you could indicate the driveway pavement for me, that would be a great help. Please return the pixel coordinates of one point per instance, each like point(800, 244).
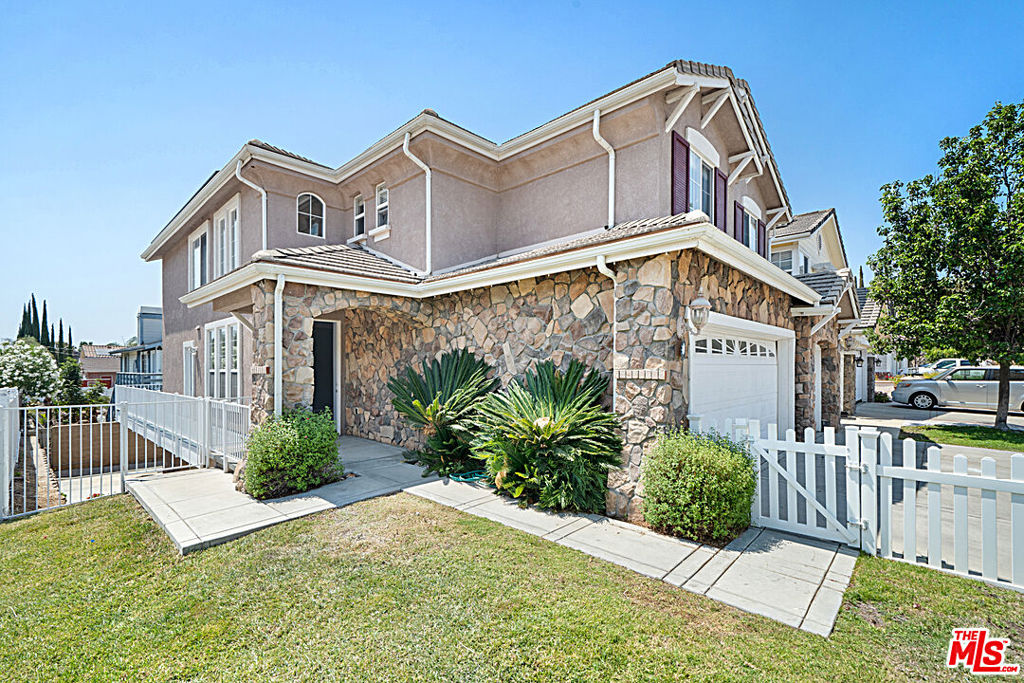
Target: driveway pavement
point(897, 415)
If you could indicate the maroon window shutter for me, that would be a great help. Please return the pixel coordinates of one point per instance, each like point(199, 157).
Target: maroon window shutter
point(737, 222)
point(680, 174)
point(720, 200)
point(762, 239)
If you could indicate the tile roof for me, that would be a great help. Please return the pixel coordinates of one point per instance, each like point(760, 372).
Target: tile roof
point(619, 232)
point(803, 223)
point(273, 148)
point(829, 284)
point(340, 258)
point(99, 350)
point(869, 308)
point(358, 261)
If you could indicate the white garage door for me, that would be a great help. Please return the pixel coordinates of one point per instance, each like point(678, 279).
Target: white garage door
point(733, 377)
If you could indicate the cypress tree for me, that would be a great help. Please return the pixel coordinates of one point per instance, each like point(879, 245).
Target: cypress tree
point(33, 319)
point(71, 344)
point(44, 328)
point(862, 276)
point(60, 339)
point(23, 328)
point(51, 337)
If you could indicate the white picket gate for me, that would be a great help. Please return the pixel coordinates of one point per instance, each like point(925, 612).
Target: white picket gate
point(966, 522)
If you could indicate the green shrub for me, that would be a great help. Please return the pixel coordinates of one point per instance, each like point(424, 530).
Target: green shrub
point(548, 441)
point(292, 454)
point(437, 401)
point(699, 486)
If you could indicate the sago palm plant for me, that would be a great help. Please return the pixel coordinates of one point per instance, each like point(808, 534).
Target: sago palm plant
point(437, 400)
point(548, 441)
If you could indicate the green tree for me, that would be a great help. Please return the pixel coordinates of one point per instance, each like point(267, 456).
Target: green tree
point(33, 319)
point(950, 272)
point(69, 385)
point(44, 328)
point(26, 322)
point(60, 339)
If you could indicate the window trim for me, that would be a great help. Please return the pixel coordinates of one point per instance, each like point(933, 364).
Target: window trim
point(778, 265)
point(381, 232)
point(323, 219)
point(225, 324)
point(200, 232)
point(704, 160)
point(234, 258)
point(188, 379)
point(358, 236)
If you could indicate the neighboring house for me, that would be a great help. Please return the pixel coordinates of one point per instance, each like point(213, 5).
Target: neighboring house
point(288, 282)
point(877, 364)
point(811, 248)
point(142, 363)
point(99, 364)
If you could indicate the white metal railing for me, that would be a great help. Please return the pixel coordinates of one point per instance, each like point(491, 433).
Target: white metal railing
point(8, 446)
point(52, 456)
point(946, 512)
point(197, 430)
point(145, 380)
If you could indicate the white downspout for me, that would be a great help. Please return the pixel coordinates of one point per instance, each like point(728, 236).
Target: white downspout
point(278, 344)
point(611, 166)
point(263, 197)
point(426, 170)
point(602, 267)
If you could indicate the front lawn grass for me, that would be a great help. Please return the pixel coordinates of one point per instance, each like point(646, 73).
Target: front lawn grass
point(399, 588)
point(962, 435)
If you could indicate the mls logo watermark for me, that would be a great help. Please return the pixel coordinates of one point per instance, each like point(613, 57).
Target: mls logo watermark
point(974, 650)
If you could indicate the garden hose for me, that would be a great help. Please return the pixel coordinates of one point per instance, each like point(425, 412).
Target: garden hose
point(468, 477)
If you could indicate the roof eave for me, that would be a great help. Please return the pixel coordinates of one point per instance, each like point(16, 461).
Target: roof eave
point(702, 236)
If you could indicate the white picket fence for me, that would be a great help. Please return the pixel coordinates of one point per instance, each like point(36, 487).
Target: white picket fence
point(964, 520)
point(9, 441)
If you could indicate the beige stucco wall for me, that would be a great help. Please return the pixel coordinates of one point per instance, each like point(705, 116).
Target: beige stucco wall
point(480, 206)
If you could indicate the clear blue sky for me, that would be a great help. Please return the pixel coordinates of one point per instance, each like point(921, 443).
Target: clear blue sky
point(112, 115)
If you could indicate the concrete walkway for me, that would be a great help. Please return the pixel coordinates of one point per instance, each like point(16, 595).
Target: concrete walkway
point(201, 508)
point(795, 580)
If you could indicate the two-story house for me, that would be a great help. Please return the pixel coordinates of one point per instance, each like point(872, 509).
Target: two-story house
point(592, 236)
point(810, 247)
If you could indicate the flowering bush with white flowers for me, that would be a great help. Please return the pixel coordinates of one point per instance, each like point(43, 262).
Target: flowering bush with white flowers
point(30, 368)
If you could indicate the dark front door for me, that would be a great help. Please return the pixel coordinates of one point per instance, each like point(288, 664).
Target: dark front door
point(323, 366)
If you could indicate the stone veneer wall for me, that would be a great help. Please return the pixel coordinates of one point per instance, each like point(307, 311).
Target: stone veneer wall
point(510, 326)
point(871, 363)
point(514, 325)
point(849, 384)
point(828, 338)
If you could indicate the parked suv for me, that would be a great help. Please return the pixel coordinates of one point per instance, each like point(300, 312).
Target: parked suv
point(971, 387)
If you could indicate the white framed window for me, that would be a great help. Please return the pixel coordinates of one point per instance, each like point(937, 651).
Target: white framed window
point(188, 368)
point(198, 250)
point(702, 185)
point(358, 216)
point(750, 230)
point(383, 226)
point(783, 260)
point(226, 236)
point(310, 214)
point(223, 358)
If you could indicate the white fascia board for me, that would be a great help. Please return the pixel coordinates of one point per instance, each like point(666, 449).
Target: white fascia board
point(811, 311)
point(726, 324)
point(188, 211)
point(702, 236)
point(717, 244)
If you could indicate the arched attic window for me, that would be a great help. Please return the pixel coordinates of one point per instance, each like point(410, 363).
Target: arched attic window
point(310, 211)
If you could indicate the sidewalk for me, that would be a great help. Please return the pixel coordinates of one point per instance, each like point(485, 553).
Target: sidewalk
point(794, 580)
